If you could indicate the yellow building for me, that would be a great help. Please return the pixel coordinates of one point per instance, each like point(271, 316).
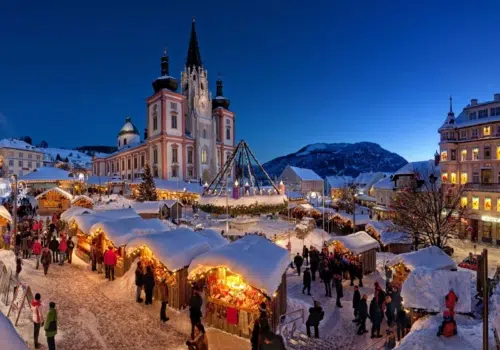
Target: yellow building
point(470, 156)
point(19, 157)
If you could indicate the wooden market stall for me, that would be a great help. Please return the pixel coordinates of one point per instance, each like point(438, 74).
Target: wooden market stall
point(169, 254)
point(432, 258)
point(82, 201)
point(54, 200)
point(5, 218)
point(392, 239)
point(360, 246)
point(238, 278)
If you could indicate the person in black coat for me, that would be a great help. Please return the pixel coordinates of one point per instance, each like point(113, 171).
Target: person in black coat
point(339, 290)
point(307, 281)
point(314, 260)
point(195, 303)
point(149, 284)
point(70, 247)
point(402, 323)
point(139, 282)
point(375, 318)
point(356, 298)
point(54, 246)
point(389, 310)
point(326, 277)
point(396, 299)
point(316, 314)
point(362, 314)
point(260, 327)
point(298, 260)
point(305, 254)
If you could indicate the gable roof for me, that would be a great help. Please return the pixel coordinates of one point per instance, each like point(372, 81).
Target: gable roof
point(58, 190)
point(305, 174)
point(49, 174)
point(339, 181)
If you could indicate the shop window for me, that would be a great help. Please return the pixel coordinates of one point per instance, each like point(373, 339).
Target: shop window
point(463, 202)
point(444, 156)
point(463, 178)
point(498, 204)
point(453, 178)
point(464, 155)
point(487, 204)
point(475, 203)
point(487, 131)
point(444, 177)
point(475, 153)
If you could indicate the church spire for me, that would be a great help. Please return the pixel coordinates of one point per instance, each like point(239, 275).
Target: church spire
point(193, 56)
point(451, 106)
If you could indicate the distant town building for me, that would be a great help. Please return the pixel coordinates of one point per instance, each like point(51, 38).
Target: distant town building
point(337, 185)
point(470, 156)
point(304, 181)
point(19, 158)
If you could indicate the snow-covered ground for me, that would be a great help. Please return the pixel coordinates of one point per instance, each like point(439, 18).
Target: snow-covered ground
point(109, 202)
point(463, 247)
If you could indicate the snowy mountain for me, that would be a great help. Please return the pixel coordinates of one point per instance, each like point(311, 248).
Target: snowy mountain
point(338, 159)
point(75, 158)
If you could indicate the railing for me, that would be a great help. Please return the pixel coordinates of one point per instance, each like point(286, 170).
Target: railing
point(299, 316)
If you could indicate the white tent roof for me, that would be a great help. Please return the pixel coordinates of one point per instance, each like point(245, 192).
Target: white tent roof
point(175, 249)
point(71, 212)
point(87, 198)
point(10, 338)
point(425, 289)
point(5, 213)
point(358, 242)
point(214, 238)
point(258, 261)
point(57, 189)
point(120, 231)
point(431, 257)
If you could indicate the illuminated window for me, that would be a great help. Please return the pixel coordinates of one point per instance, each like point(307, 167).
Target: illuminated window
point(487, 204)
point(463, 202)
point(204, 156)
point(498, 204)
point(444, 177)
point(475, 153)
point(498, 152)
point(463, 178)
point(475, 203)
point(444, 156)
point(453, 178)
point(487, 131)
point(464, 154)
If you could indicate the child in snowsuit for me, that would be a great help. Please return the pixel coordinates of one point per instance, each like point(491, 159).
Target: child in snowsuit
point(449, 326)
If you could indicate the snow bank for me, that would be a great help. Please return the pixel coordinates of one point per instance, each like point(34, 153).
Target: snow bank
point(358, 242)
point(175, 249)
point(10, 339)
point(260, 262)
point(215, 239)
point(5, 213)
point(276, 199)
point(425, 289)
point(71, 212)
point(423, 335)
point(120, 231)
point(431, 257)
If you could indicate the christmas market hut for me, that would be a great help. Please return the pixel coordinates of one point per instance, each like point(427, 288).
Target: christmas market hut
point(71, 212)
point(5, 218)
point(54, 200)
point(169, 254)
point(147, 210)
point(239, 277)
point(360, 246)
point(393, 239)
point(432, 258)
point(82, 201)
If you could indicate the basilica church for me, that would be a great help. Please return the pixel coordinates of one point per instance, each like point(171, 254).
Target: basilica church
point(189, 135)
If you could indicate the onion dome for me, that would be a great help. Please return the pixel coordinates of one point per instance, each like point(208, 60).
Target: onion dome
point(128, 128)
point(165, 81)
point(220, 100)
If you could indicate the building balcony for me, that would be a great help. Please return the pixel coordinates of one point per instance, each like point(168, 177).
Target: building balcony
point(482, 187)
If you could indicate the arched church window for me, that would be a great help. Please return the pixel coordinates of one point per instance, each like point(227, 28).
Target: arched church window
point(204, 156)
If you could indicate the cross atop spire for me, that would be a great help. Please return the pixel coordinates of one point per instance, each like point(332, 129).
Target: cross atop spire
point(193, 56)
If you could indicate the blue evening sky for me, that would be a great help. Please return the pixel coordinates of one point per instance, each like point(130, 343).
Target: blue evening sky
point(297, 72)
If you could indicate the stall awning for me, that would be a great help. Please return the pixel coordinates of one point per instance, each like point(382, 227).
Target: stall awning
point(5, 213)
point(257, 260)
point(358, 242)
point(432, 258)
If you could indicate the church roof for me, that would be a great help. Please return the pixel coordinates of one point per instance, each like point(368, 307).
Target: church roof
point(193, 56)
point(128, 128)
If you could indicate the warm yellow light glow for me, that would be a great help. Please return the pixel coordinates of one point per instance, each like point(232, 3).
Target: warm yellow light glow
point(487, 131)
point(475, 203)
point(463, 202)
point(444, 156)
point(464, 154)
point(487, 204)
point(236, 183)
point(463, 178)
point(453, 178)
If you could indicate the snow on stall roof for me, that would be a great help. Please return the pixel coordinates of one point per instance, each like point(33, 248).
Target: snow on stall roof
point(5, 213)
point(170, 203)
point(146, 207)
point(16, 144)
point(58, 190)
point(257, 260)
point(48, 174)
point(431, 257)
point(361, 219)
point(71, 212)
point(395, 237)
point(120, 231)
point(358, 242)
point(175, 249)
point(214, 238)
point(86, 221)
point(11, 340)
point(82, 196)
point(97, 180)
point(246, 200)
point(305, 174)
point(294, 195)
point(379, 226)
point(365, 197)
point(425, 289)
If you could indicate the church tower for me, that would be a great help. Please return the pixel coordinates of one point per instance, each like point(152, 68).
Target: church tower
point(199, 122)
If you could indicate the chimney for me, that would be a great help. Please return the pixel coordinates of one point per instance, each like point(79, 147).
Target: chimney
point(145, 134)
point(473, 102)
point(496, 97)
point(437, 158)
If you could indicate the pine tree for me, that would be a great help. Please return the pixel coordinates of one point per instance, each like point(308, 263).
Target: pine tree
point(147, 189)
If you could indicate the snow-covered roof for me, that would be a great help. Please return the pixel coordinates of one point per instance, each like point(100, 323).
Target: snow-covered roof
point(385, 183)
point(146, 207)
point(171, 202)
point(305, 174)
point(306, 206)
point(431, 257)
point(361, 219)
point(367, 178)
point(128, 127)
point(422, 168)
point(84, 197)
point(71, 212)
point(172, 185)
point(339, 181)
point(97, 180)
point(48, 174)
point(425, 289)
point(294, 195)
point(358, 242)
point(365, 197)
point(175, 249)
point(59, 190)
point(379, 226)
point(214, 238)
point(17, 144)
point(276, 199)
point(257, 260)
point(10, 338)
point(120, 231)
point(5, 213)
point(395, 237)
point(86, 221)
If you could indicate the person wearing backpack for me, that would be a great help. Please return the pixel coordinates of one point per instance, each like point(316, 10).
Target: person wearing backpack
point(316, 314)
point(50, 326)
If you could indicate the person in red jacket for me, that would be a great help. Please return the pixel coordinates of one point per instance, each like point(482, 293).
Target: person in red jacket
point(37, 250)
point(451, 300)
point(109, 263)
point(63, 246)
